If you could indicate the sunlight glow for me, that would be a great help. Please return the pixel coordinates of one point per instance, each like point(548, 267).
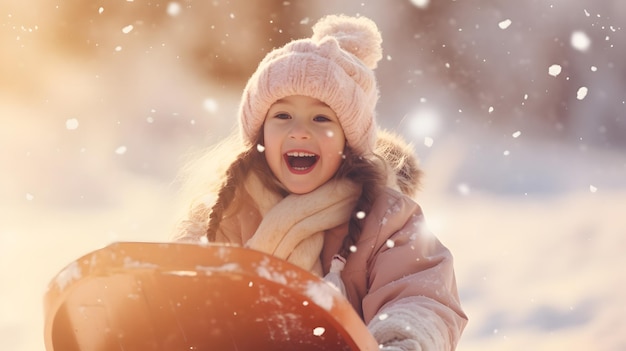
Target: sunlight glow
point(424, 122)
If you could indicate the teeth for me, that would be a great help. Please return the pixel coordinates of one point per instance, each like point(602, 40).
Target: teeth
point(300, 154)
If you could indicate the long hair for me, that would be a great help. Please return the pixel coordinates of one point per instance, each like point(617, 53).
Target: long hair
point(370, 174)
point(201, 179)
point(224, 194)
point(232, 194)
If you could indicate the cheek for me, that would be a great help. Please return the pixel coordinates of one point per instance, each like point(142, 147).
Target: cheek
point(268, 137)
point(333, 135)
point(338, 139)
point(271, 149)
point(273, 160)
point(272, 133)
point(334, 150)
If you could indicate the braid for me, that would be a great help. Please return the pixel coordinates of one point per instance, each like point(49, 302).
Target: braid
point(226, 194)
point(230, 194)
point(372, 178)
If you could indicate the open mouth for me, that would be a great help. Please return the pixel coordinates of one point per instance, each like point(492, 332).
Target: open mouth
point(299, 161)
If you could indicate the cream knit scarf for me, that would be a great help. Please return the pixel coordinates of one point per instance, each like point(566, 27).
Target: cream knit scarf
point(293, 227)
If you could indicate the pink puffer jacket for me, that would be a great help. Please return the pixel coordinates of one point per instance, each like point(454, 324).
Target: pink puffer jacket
point(400, 278)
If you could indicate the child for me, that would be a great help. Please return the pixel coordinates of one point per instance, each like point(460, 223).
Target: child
point(315, 183)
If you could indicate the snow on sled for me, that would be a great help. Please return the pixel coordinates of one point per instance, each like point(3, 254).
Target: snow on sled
point(173, 296)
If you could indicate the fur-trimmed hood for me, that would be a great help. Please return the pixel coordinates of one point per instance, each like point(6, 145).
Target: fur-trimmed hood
point(405, 174)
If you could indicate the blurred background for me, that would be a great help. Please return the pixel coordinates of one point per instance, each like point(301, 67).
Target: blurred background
point(517, 110)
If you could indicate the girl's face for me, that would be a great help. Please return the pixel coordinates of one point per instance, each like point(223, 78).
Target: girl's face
point(304, 142)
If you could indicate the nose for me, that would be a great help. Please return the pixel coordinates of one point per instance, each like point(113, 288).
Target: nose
point(299, 130)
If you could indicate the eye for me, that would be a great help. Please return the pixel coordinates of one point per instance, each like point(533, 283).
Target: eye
point(282, 115)
point(321, 118)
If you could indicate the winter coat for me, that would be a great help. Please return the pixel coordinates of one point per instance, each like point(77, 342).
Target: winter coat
point(397, 262)
point(399, 277)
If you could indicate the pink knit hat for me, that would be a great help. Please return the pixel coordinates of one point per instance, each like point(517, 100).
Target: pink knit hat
point(334, 66)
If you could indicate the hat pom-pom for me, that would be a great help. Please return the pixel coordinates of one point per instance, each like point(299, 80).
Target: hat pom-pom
point(357, 35)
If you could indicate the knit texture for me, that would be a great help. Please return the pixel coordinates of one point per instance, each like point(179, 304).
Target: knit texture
point(293, 227)
point(334, 66)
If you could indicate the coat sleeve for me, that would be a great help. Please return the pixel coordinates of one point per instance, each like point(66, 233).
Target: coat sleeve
point(412, 302)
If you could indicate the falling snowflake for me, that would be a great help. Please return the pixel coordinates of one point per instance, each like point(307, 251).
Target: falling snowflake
point(554, 70)
point(71, 124)
point(422, 4)
point(319, 331)
point(173, 9)
point(504, 24)
point(210, 105)
point(580, 41)
point(428, 141)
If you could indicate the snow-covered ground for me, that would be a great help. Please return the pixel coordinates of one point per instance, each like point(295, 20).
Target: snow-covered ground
point(538, 272)
point(91, 146)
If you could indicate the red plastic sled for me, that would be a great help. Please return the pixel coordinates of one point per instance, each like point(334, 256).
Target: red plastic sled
point(172, 296)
